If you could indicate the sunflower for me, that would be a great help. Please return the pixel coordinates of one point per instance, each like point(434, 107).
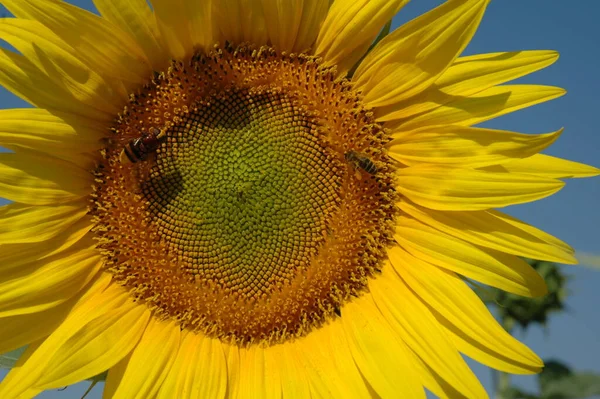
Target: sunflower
point(264, 199)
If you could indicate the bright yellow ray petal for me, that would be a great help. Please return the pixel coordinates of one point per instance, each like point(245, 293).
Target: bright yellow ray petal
point(480, 107)
point(453, 189)
point(173, 22)
point(328, 363)
point(26, 81)
point(256, 380)
point(13, 256)
point(294, 383)
point(136, 19)
point(241, 21)
point(55, 59)
point(466, 146)
point(48, 283)
point(27, 224)
point(470, 75)
point(36, 179)
point(470, 324)
point(57, 134)
point(96, 347)
point(421, 332)
point(382, 358)
point(199, 370)
point(547, 166)
point(293, 25)
point(488, 266)
point(232, 356)
point(486, 229)
point(149, 363)
point(97, 42)
point(528, 229)
point(33, 364)
point(411, 58)
point(350, 28)
point(21, 330)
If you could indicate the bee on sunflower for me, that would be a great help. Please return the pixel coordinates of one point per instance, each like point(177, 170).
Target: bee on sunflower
point(241, 198)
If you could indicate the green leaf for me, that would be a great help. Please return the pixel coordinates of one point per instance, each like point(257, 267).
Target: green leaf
point(8, 360)
point(557, 381)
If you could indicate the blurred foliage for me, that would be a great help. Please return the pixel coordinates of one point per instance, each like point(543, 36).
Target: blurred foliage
point(557, 381)
point(523, 311)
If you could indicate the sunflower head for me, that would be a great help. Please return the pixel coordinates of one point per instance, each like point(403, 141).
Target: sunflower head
point(264, 198)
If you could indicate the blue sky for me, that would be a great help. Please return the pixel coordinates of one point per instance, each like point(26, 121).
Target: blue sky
point(572, 214)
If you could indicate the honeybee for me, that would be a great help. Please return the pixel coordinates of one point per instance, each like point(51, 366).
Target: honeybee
point(139, 148)
point(361, 161)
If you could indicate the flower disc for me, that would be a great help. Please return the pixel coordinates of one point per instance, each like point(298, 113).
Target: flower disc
point(266, 205)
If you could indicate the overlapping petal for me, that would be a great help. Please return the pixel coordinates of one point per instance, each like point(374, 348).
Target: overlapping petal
point(411, 58)
point(466, 146)
point(467, 76)
point(469, 323)
point(98, 43)
point(547, 166)
point(350, 28)
point(21, 223)
point(490, 229)
point(417, 327)
point(141, 374)
point(199, 370)
point(37, 179)
point(481, 106)
point(461, 189)
point(488, 266)
point(135, 18)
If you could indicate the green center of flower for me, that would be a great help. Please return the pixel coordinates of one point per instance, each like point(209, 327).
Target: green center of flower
point(241, 191)
point(264, 204)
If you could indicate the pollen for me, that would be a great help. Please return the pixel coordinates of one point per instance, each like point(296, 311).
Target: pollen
point(267, 205)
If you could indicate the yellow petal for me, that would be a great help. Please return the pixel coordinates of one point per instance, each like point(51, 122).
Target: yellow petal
point(547, 166)
point(466, 146)
point(48, 283)
point(452, 189)
point(488, 266)
point(480, 107)
point(26, 81)
point(173, 22)
point(294, 382)
point(411, 58)
point(149, 363)
point(36, 361)
point(13, 256)
point(256, 381)
point(97, 346)
point(98, 43)
point(293, 25)
point(241, 21)
point(135, 18)
point(36, 179)
point(26, 224)
point(421, 332)
point(55, 59)
point(21, 330)
point(468, 321)
point(350, 28)
point(199, 370)
point(487, 229)
point(470, 75)
point(58, 134)
point(528, 229)
point(328, 363)
point(382, 358)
